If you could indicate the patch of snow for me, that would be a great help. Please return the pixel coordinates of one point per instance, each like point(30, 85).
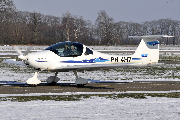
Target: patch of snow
point(93, 108)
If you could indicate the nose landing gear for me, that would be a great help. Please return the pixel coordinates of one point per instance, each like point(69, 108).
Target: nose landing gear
point(34, 80)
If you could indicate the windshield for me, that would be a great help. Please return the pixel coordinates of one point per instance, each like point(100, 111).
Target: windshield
point(67, 49)
point(88, 51)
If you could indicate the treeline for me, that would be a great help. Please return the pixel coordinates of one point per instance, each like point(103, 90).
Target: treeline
point(23, 28)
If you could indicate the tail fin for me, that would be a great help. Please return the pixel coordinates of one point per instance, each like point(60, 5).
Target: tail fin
point(148, 49)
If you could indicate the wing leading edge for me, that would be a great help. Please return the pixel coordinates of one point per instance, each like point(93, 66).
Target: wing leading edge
point(100, 66)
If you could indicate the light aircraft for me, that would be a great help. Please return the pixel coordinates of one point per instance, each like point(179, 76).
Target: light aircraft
point(74, 56)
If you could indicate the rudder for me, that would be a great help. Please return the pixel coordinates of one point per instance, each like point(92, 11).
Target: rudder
point(148, 49)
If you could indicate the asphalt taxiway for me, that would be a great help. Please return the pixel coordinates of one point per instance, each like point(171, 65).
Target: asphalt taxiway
point(91, 87)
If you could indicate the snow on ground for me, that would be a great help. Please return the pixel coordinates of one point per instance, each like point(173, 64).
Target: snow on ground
point(94, 108)
point(163, 71)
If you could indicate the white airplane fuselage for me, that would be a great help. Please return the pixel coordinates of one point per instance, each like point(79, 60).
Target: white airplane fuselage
point(48, 60)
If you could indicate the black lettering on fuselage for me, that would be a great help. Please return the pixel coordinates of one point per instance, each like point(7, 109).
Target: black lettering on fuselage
point(123, 59)
point(115, 59)
point(112, 58)
point(126, 59)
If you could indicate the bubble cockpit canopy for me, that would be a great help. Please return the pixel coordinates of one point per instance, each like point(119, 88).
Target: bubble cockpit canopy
point(67, 49)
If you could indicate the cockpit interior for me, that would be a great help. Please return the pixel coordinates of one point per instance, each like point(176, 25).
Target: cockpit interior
point(69, 49)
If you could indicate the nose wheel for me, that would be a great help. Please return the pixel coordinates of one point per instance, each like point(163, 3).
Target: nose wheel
point(34, 80)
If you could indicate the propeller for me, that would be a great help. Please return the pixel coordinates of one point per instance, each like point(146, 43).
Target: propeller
point(28, 50)
point(21, 55)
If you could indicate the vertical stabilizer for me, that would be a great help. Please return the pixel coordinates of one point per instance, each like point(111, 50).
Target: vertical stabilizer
point(148, 49)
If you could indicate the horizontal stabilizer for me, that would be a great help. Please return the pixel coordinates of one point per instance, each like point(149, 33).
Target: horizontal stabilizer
point(149, 36)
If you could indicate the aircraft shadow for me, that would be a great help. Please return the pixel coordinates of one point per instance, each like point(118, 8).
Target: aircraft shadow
point(20, 84)
point(90, 87)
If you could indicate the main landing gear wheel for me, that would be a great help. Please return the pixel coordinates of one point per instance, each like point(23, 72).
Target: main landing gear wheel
point(52, 83)
point(80, 85)
point(80, 82)
point(52, 80)
point(32, 85)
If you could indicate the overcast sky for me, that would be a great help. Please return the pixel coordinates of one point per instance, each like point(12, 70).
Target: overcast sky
point(120, 10)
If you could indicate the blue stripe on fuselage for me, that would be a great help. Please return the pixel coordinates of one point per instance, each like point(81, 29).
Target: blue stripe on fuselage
point(153, 43)
point(40, 61)
point(136, 58)
point(144, 55)
point(87, 61)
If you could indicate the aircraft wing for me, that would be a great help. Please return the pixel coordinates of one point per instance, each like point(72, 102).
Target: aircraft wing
point(13, 61)
point(102, 66)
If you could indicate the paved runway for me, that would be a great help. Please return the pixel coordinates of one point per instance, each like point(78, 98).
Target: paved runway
point(92, 87)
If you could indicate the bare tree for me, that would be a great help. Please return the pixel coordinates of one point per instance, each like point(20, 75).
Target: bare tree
point(7, 10)
point(104, 27)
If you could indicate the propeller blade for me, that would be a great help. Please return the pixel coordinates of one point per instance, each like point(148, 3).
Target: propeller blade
point(18, 51)
point(20, 54)
point(28, 50)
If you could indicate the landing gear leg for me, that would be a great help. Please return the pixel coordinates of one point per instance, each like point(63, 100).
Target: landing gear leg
point(80, 82)
point(34, 80)
point(52, 80)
